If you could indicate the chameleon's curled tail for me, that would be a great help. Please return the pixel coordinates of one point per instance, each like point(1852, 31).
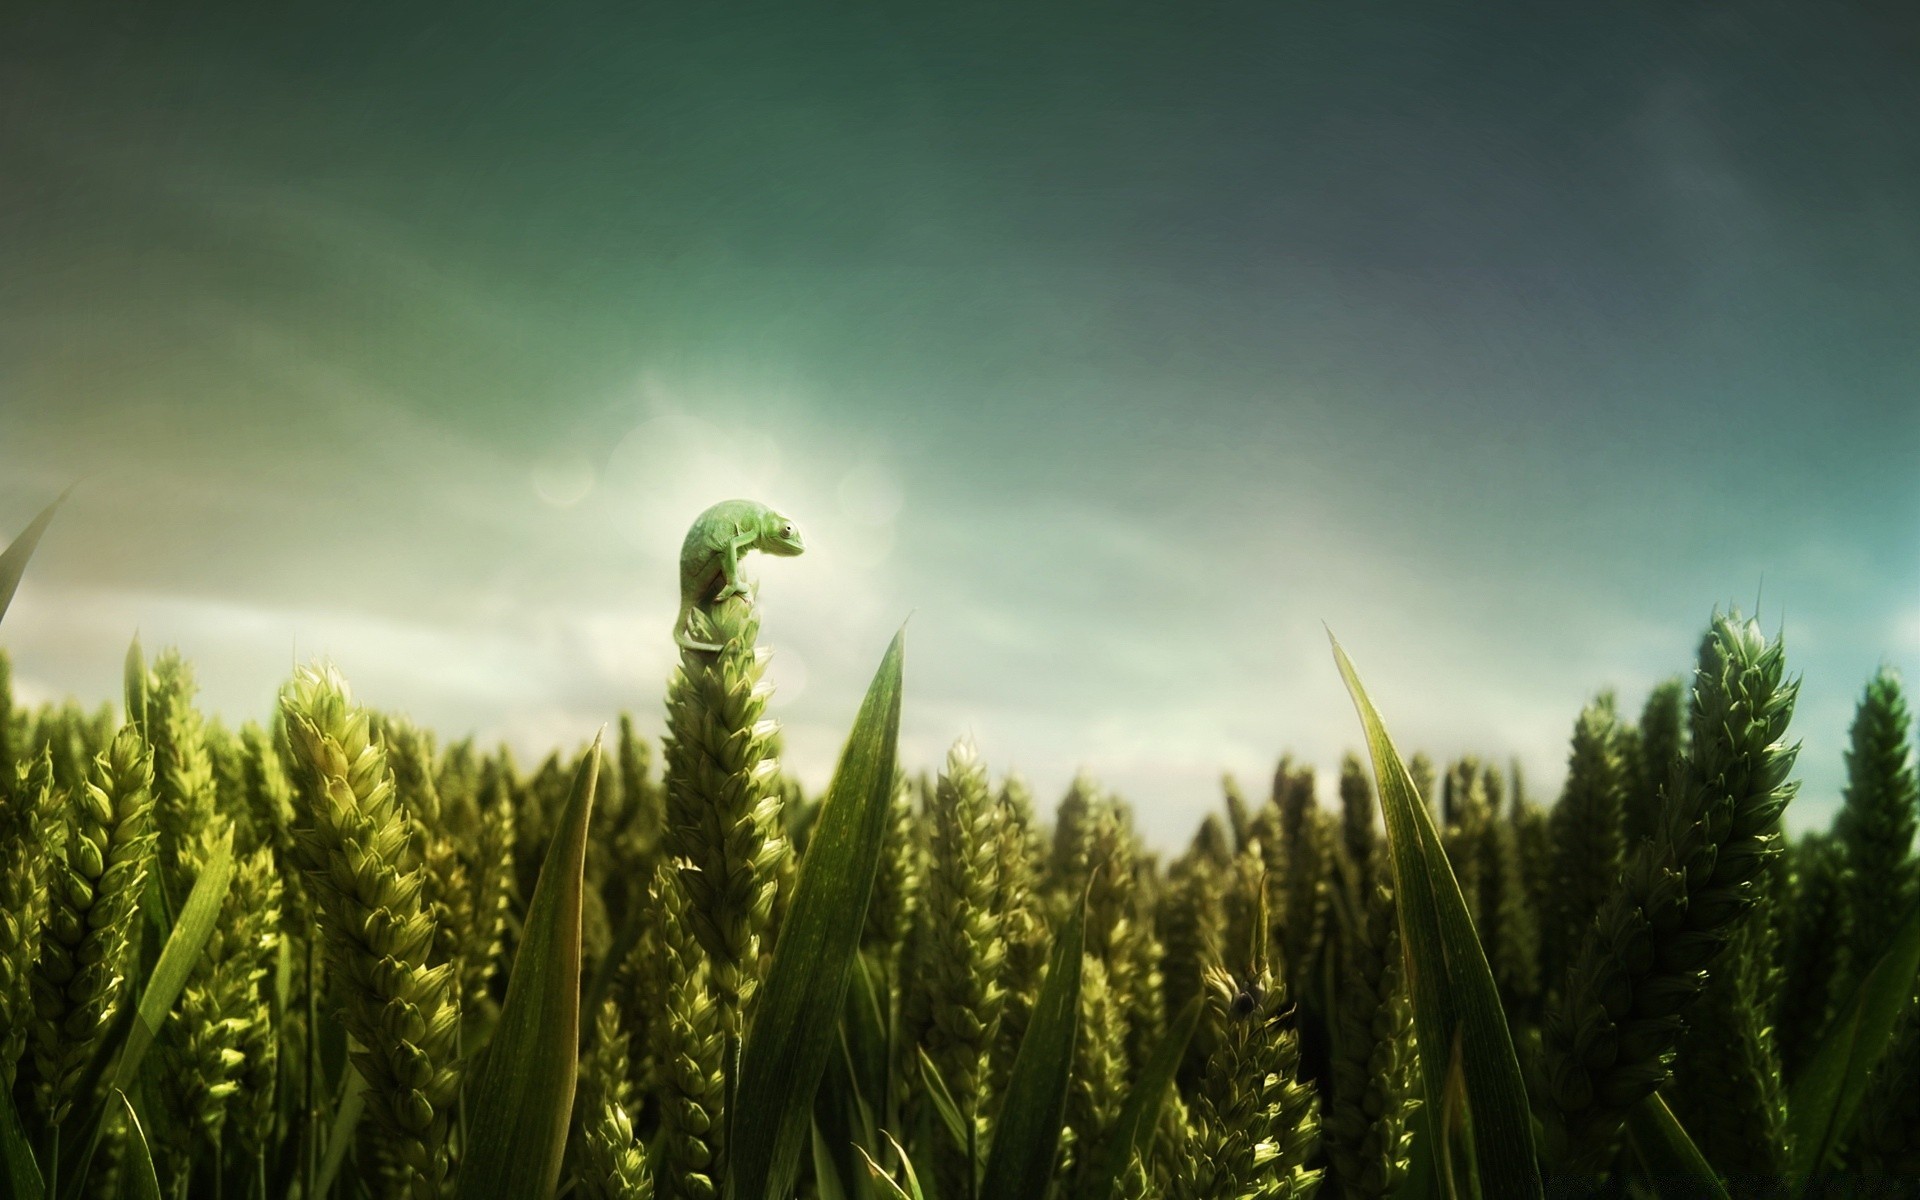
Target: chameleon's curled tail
point(686, 640)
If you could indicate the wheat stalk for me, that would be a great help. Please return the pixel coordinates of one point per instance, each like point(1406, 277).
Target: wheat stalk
point(1366, 1129)
point(353, 843)
point(79, 980)
point(723, 809)
point(1253, 1127)
point(1611, 1039)
point(30, 846)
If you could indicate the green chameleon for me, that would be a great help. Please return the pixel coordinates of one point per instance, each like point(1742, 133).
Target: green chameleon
point(711, 556)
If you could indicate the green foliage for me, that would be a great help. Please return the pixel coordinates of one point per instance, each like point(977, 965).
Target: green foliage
point(523, 1098)
point(1356, 811)
point(1191, 921)
point(1098, 1076)
point(18, 1166)
point(1877, 817)
point(793, 1029)
point(1669, 1155)
point(222, 1020)
point(689, 1053)
point(1880, 1146)
point(1645, 958)
point(1828, 1095)
point(1813, 932)
point(724, 826)
point(1728, 1088)
point(353, 842)
point(80, 980)
point(1366, 1128)
point(1026, 1137)
point(1130, 1139)
point(1660, 749)
point(330, 956)
point(139, 1180)
point(30, 830)
point(962, 959)
point(184, 803)
point(13, 560)
point(1589, 835)
point(613, 1163)
point(1023, 921)
point(1253, 1128)
point(1510, 921)
point(1454, 995)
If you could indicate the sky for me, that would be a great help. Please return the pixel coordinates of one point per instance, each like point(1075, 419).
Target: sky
point(1127, 349)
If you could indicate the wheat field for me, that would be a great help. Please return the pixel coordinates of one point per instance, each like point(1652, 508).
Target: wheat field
point(329, 954)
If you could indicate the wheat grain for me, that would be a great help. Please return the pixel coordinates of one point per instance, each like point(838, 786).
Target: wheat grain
point(79, 980)
point(353, 843)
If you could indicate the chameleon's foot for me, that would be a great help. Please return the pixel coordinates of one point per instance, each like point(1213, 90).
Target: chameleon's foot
point(730, 591)
point(687, 643)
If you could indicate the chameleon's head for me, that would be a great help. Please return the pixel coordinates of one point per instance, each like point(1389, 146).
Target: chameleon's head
point(780, 537)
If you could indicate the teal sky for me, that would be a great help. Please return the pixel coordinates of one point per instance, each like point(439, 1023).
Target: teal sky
point(1123, 346)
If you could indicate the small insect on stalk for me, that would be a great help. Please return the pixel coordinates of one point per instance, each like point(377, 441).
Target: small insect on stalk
point(1254, 1125)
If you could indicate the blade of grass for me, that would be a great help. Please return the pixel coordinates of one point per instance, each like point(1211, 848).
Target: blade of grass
point(612, 961)
point(13, 561)
point(1827, 1095)
point(796, 1020)
point(835, 1109)
point(346, 1117)
point(910, 1192)
point(523, 1099)
point(1422, 1181)
point(1026, 1137)
point(943, 1105)
point(1674, 1164)
point(1133, 1132)
point(889, 1187)
point(185, 943)
point(17, 1166)
point(1453, 987)
point(138, 1179)
point(826, 1176)
point(866, 1129)
point(198, 916)
point(1457, 1168)
point(865, 1034)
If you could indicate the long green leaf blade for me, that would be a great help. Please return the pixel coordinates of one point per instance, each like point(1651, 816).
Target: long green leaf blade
point(943, 1105)
point(1133, 1132)
point(826, 1175)
point(523, 1099)
point(796, 1022)
point(198, 916)
point(1454, 1142)
point(346, 1119)
point(13, 561)
point(1026, 1138)
point(138, 1179)
point(1453, 987)
point(1674, 1164)
point(864, 1032)
point(1827, 1095)
point(18, 1170)
point(912, 1190)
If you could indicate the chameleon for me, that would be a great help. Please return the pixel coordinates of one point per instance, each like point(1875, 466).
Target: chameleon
point(710, 557)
